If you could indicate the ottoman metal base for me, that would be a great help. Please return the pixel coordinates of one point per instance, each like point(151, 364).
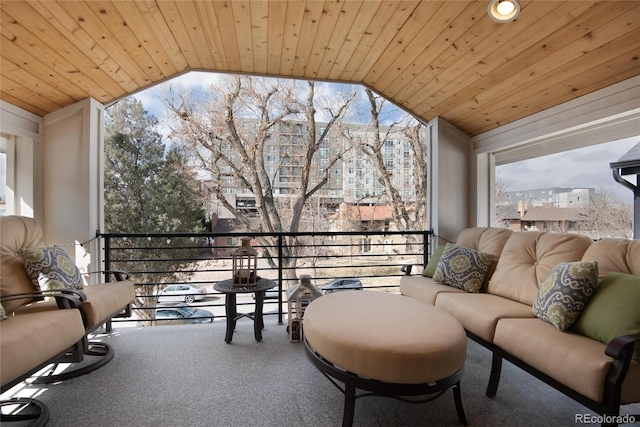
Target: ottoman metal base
point(379, 388)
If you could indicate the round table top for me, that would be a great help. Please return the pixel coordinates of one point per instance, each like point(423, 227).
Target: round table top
point(226, 286)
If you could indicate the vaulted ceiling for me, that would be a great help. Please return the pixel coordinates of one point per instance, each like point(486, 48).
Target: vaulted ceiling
point(433, 58)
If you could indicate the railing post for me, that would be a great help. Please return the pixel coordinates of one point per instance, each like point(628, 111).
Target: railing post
point(425, 247)
point(280, 258)
point(107, 257)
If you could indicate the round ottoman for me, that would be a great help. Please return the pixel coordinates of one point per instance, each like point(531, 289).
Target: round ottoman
point(387, 344)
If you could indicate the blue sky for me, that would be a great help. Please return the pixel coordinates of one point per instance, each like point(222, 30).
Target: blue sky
point(586, 167)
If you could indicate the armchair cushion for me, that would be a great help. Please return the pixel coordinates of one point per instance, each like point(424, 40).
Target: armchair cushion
point(51, 268)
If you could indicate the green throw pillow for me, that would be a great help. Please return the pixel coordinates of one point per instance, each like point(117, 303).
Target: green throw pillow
point(463, 268)
point(430, 269)
point(614, 310)
point(565, 292)
point(50, 268)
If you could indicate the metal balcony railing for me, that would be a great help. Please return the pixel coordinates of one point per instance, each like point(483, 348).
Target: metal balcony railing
point(157, 260)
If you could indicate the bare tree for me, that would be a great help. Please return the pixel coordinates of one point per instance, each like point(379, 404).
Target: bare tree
point(231, 137)
point(607, 215)
point(407, 214)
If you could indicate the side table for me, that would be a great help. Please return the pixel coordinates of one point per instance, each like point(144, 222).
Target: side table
point(230, 292)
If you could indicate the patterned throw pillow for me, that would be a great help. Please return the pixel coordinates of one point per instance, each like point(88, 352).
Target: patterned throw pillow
point(3, 313)
point(565, 292)
point(51, 268)
point(463, 268)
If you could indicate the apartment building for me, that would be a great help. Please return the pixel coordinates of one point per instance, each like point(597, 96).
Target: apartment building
point(352, 176)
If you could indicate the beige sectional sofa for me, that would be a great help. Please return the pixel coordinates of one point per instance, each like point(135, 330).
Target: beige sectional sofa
point(500, 317)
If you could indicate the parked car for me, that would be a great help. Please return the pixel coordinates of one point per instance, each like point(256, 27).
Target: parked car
point(182, 292)
point(178, 313)
point(337, 285)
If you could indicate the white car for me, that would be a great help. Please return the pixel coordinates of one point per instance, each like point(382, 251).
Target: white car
point(182, 292)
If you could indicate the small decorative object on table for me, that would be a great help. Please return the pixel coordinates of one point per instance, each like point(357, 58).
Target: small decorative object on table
point(298, 297)
point(245, 264)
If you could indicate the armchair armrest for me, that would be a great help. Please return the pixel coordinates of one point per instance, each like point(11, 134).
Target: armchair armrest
point(119, 275)
point(65, 298)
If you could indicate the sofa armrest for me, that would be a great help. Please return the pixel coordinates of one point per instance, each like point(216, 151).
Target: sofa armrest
point(406, 269)
point(65, 298)
point(622, 347)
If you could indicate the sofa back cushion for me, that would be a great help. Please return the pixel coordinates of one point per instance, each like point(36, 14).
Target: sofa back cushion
point(528, 257)
point(16, 232)
point(613, 254)
point(484, 239)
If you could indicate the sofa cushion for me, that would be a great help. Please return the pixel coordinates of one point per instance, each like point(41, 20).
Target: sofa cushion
point(528, 257)
point(463, 268)
point(484, 239)
point(430, 269)
point(479, 313)
point(565, 292)
point(17, 232)
point(613, 254)
point(614, 310)
point(424, 288)
point(574, 360)
point(51, 268)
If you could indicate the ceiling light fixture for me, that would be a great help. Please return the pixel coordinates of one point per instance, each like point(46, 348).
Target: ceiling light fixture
point(503, 10)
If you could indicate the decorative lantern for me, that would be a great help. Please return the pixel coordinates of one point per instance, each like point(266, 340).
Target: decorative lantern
point(298, 297)
point(245, 264)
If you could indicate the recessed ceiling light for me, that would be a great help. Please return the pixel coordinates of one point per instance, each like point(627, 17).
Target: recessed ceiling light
point(503, 10)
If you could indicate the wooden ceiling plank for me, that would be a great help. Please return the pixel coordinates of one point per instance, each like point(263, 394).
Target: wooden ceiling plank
point(123, 37)
point(346, 17)
point(53, 87)
point(19, 91)
point(292, 35)
point(65, 58)
point(19, 101)
point(487, 54)
point(139, 28)
point(310, 24)
point(241, 12)
point(584, 51)
point(620, 55)
point(277, 15)
point(328, 20)
point(458, 40)
point(46, 91)
point(101, 39)
point(212, 33)
point(259, 12)
point(424, 25)
point(383, 29)
point(173, 19)
point(357, 31)
point(230, 33)
point(195, 24)
point(158, 25)
point(509, 60)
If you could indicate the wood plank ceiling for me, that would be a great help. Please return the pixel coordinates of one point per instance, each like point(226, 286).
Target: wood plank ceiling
point(433, 58)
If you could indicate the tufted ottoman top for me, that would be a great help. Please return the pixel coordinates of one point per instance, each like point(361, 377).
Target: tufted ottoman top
point(386, 337)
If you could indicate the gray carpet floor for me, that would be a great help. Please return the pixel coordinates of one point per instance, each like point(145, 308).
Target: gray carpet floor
point(185, 375)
